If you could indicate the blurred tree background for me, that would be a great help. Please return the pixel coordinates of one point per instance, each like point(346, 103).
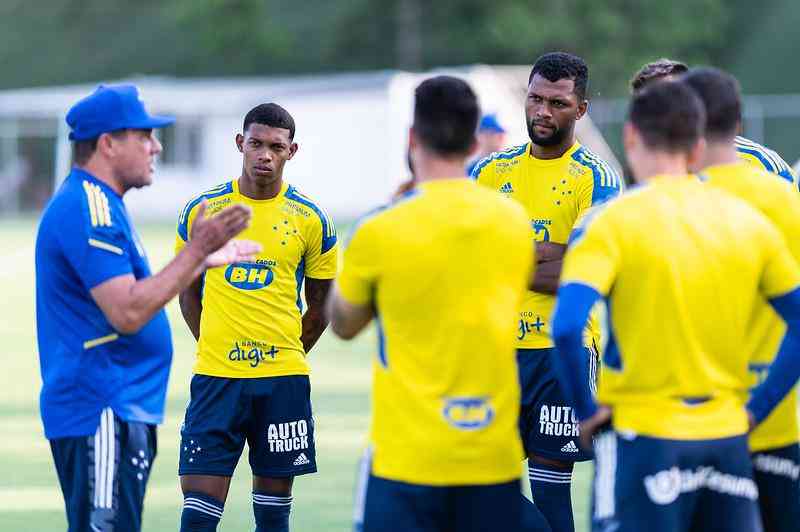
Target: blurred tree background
point(56, 42)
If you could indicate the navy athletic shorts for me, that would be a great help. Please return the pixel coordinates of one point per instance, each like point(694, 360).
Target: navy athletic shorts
point(273, 414)
point(103, 477)
point(661, 485)
point(383, 505)
point(777, 473)
point(547, 424)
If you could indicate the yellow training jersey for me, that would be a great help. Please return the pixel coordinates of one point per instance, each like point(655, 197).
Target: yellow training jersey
point(684, 265)
point(762, 157)
point(251, 320)
point(778, 201)
point(556, 193)
point(445, 267)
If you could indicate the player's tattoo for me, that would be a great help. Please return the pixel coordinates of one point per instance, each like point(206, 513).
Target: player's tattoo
point(314, 320)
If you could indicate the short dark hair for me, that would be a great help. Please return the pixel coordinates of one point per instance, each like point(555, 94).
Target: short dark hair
point(656, 70)
point(269, 114)
point(720, 94)
point(446, 114)
point(669, 116)
point(561, 65)
point(82, 150)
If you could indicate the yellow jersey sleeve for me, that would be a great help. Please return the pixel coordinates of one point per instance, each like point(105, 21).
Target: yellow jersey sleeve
point(322, 254)
point(359, 271)
point(189, 212)
point(594, 257)
point(599, 184)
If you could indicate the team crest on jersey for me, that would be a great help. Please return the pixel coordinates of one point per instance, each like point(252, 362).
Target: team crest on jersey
point(468, 413)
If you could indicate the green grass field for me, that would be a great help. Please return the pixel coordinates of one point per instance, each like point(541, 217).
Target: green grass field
point(30, 499)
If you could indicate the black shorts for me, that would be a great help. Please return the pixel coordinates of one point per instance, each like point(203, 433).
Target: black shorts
point(777, 473)
point(103, 477)
point(273, 414)
point(661, 485)
point(547, 424)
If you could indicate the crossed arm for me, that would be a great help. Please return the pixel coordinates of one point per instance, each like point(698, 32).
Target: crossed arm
point(549, 261)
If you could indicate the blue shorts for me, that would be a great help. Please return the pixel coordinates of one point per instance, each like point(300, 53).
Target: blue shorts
point(663, 485)
point(547, 424)
point(103, 477)
point(273, 414)
point(384, 505)
point(777, 473)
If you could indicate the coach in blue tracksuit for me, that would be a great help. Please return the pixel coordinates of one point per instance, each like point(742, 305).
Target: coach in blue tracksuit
point(104, 340)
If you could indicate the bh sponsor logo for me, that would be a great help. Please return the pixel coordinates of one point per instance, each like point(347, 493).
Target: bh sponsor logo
point(666, 486)
point(249, 276)
point(558, 421)
point(287, 437)
point(252, 352)
point(468, 413)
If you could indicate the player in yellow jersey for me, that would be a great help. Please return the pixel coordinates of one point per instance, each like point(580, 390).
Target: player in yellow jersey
point(750, 151)
point(558, 181)
point(776, 455)
point(683, 266)
point(251, 377)
point(442, 270)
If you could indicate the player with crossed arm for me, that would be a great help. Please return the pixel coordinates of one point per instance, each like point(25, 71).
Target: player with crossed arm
point(747, 150)
point(558, 181)
point(684, 266)
point(104, 340)
point(776, 454)
point(251, 378)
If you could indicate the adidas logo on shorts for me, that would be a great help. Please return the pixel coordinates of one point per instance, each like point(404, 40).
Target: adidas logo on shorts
point(301, 460)
point(570, 447)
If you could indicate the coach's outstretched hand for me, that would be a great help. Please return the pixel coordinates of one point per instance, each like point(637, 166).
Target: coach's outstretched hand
point(212, 236)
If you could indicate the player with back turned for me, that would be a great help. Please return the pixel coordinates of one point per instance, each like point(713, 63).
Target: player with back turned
point(674, 379)
point(776, 454)
point(747, 150)
point(251, 378)
point(558, 181)
point(444, 448)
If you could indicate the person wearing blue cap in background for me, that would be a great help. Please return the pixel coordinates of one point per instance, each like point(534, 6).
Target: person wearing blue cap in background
point(104, 340)
point(491, 138)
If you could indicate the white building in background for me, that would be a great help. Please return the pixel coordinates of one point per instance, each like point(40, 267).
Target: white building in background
point(352, 130)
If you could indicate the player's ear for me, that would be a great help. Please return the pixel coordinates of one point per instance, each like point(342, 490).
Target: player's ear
point(630, 137)
point(583, 106)
point(412, 140)
point(696, 155)
point(240, 142)
point(105, 145)
point(292, 150)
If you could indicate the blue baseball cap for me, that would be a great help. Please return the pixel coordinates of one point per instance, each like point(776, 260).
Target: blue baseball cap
point(111, 108)
point(490, 123)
